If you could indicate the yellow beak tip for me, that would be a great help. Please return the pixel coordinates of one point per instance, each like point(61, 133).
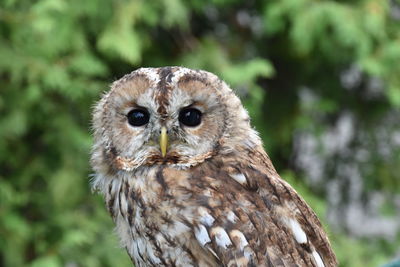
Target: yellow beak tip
point(163, 141)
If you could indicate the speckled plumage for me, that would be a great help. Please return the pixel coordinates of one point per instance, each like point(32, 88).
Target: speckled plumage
point(215, 198)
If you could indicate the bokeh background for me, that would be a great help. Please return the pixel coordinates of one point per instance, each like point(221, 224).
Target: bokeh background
point(321, 80)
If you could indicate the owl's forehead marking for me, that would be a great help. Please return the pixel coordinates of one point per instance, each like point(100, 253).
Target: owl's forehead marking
point(164, 87)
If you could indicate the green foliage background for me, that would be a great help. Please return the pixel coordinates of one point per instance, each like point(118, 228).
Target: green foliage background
point(57, 56)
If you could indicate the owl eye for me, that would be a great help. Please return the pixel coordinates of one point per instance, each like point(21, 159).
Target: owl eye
point(138, 117)
point(190, 117)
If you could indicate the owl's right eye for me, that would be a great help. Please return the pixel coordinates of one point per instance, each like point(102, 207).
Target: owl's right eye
point(190, 117)
point(138, 117)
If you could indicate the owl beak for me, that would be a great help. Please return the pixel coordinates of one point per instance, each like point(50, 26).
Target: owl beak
point(163, 141)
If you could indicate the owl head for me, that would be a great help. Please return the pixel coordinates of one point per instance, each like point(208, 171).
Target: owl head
point(170, 115)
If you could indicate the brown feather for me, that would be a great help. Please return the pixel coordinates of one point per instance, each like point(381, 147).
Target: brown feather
point(215, 198)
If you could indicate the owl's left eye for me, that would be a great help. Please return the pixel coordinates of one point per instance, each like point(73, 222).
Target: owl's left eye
point(190, 117)
point(138, 117)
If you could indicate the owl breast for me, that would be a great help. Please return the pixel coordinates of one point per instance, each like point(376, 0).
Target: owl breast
point(155, 212)
point(208, 215)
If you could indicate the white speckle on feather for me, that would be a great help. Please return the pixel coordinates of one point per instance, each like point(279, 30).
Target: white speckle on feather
point(239, 177)
point(240, 239)
point(298, 233)
point(248, 253)
point(124, 203)
point(231, 216)
point(205, 217)
point(221, 237)
point(318, 259)
point(180, 228)
point(202, 235)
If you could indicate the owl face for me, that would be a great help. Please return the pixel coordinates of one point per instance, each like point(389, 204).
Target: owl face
point(170, 115)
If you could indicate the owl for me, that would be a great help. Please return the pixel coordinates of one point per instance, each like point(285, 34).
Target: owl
point(187, 181)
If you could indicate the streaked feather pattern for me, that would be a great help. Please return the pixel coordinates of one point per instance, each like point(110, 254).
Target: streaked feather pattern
point(221, 205)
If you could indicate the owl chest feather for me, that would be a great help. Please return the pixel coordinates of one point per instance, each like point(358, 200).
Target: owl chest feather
point(208, 216)
point(153, 213)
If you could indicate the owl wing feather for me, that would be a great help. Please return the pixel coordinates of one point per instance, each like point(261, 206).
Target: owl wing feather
point(249, 216)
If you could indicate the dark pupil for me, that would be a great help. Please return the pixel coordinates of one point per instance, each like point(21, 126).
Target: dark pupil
point(190, 117)
point(138, 117)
